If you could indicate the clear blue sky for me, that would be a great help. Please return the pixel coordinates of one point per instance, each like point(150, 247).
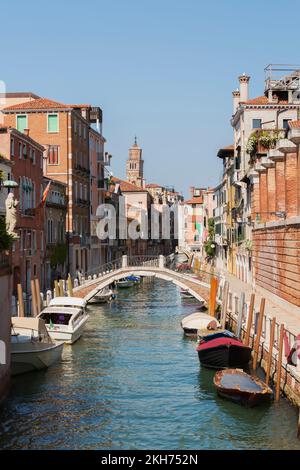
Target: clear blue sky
point(161, 69)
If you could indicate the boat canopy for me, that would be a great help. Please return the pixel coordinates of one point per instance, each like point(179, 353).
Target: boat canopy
point(67, 302)
point(29, 323)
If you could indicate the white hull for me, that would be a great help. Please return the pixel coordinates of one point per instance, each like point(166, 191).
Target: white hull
point(35, 356)
point(65, 335)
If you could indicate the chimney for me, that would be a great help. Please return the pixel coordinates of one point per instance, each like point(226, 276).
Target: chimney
point(235, 100)
point(26, 132)
point(244, 81)
point(192, 189)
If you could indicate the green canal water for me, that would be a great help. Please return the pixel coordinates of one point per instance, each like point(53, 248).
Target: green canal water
point(134, 382)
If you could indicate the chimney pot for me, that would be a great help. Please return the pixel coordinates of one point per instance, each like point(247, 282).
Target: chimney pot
point(26, 132)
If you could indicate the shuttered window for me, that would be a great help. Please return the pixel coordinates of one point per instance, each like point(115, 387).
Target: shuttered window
point(21, 123)
point(52, 123)
point(53, 152)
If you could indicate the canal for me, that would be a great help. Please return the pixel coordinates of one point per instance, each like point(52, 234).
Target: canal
point(134, 382)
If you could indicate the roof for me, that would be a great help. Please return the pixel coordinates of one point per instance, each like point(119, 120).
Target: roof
point(294, 124)
point(263, 100)
point(195, 200)
point(128, 187)
point(38, 104)
point(153, 185)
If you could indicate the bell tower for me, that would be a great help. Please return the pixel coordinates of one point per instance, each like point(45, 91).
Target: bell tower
point(135, 165)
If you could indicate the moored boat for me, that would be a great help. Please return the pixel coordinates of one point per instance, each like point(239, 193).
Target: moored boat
point(198, 321)
point(65, 318)
point(204, 335)
point(125, 283)
point(31, 346)
point(103, 296)
point(135, 279)
point(237, 386)
point(221, 353)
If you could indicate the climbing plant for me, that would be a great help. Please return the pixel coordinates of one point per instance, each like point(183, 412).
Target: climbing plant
point(6, 240)
point(209, 245)
point(267, 138)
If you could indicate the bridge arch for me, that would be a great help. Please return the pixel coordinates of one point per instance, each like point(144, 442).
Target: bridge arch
point(156, 267)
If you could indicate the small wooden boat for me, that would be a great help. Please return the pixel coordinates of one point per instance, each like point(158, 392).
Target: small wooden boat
point(205, 335)
point(102, 297)
point(237, 386)
point(222, 353)
point(125, 283)
point(197, 321)
point(185, 294)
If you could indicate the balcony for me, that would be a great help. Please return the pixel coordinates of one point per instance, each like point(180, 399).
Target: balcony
point(82, 202)
point(82, 169)
point(267, 163)
point(275, 155)
point(294, 135)
point(286, 146)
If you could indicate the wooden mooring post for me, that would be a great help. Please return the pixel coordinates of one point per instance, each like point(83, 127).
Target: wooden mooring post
point(56, 288)
point(258, 332)
point(279, 363)
point(21, 301)
point(270, 356)
point(240, 315)
point(224, 304)
point(213, 296)
point(249, 320)
point(70, 286)
point(38, 295)
point(33, 298)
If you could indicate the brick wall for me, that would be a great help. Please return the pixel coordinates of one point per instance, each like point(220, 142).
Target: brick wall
point(276, 260)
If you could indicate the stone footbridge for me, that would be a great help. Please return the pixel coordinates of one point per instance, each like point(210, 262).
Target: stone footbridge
point(161, 267)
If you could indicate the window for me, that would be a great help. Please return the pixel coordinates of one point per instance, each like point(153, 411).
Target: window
point(256, 123)
point(12, 147)
point(22, 122)
point(52, 122)
point(84, 132)
point(53, 152)
point(285, 123)
point(20, 151)
point(24, 150)
point(33, 156)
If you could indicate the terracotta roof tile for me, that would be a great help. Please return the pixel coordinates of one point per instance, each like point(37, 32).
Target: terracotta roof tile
point(195, 200)
point(38, 104)
point(128, 187)
point(294, 124)
point(263, 100)
point(153, 185)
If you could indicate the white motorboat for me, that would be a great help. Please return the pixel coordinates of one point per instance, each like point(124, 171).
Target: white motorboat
point(65, 318)
point(31, 346)
point(103, 296)
point(198, 321)
point(124, 283)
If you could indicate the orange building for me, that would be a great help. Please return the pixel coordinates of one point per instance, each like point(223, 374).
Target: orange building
point(26, 156)
point(64, 132)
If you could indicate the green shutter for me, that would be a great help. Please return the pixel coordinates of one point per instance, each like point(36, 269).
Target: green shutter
point(52, 123)
point(21, 123)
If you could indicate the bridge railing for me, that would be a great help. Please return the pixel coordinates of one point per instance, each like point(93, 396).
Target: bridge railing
point(143, 260)
point(104, 268)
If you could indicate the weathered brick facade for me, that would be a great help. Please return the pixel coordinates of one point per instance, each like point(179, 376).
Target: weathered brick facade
point(276, 254)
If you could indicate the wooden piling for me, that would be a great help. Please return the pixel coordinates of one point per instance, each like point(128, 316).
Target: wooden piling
point(240, 315)
point(279, 363)
point(21, 301)
point(224, 304)
point(213, 296)
point(271, 344)
point(33, 298)
point(56, 288)
point(70, 287)
point(258, 333)
point(38, 295)
point(61, 288)
point(250, 319)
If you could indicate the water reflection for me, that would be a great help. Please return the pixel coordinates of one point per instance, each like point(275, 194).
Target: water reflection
point(133, 381)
